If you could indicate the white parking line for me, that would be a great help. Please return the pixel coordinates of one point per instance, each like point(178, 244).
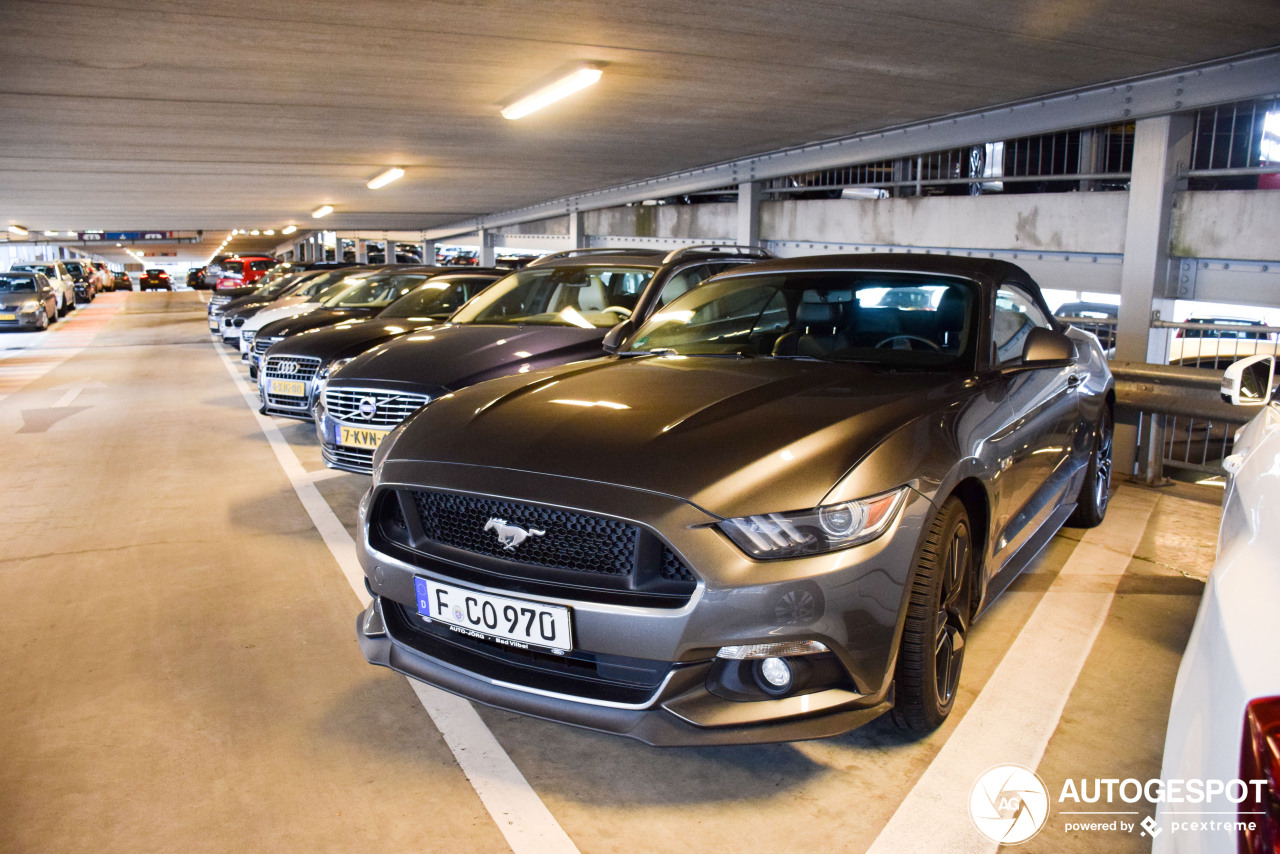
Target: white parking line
point(521, 816)
point(1018, 709)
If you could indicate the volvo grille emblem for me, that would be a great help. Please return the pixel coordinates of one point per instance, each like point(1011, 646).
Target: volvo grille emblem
point(367, 407)
point(288, 367)
point(511, 535)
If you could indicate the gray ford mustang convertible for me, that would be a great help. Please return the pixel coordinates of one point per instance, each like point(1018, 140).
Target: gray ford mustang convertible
point(772, 514)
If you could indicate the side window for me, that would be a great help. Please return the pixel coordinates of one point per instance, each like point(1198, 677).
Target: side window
point(1016, 315)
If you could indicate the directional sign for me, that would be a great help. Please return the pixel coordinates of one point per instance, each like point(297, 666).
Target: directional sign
point(139, 235)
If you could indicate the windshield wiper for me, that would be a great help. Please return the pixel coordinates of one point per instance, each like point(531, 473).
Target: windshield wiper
point(659, 351)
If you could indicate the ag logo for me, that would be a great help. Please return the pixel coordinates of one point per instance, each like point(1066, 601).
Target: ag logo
point(1009, 804)
point(288, 367)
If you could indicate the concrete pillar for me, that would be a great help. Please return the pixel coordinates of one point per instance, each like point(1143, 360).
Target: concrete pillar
point(1160, 146)
point(749, 195)
point(428, 250)
point(577, 230)
point(487, 241)
point(362, 251)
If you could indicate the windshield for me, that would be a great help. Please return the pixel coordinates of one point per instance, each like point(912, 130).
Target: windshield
point(437, 298)
point(590, 297)
point(898, 320)
point(322, 286)
point(278, 287)
point(17, 284)
point(38, 268)
point(374, 291)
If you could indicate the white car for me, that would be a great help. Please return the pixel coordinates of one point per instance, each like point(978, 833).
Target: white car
point(64, 287)
point(1224, 723)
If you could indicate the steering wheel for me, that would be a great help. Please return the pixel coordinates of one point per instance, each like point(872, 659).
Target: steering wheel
point(624, 313)
point(931, 344)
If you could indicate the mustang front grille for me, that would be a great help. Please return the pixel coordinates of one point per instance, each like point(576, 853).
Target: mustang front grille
point(371, 406)
point(554, 538)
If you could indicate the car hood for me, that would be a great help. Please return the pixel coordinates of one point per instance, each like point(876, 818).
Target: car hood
point(731, 436)
point(349, 337)
point(286, 326)
point(459, 355)
point(272, 313)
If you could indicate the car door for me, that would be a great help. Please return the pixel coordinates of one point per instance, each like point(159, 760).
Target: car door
point(1033, 449)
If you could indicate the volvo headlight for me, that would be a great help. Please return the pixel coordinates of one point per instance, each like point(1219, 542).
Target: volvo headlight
point(336, 364)
point(822, 529)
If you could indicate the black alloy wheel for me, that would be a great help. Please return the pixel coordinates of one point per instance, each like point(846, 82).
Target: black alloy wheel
point(1095, 492)
point(931, 654)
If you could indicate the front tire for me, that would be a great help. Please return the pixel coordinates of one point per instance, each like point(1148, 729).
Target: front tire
point(1095, 492)
point(931, 654)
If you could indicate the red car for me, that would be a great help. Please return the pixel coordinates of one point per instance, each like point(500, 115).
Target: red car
point(155, 280)
point(245, 268)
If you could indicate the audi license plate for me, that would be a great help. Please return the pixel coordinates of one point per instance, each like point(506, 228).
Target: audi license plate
point(289, 388)
point(510, 621)
point(359, 437)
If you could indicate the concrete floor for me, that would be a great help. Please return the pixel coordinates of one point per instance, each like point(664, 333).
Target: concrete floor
point(180, 668)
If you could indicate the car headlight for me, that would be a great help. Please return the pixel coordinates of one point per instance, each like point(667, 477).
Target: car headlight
point(822, 529)
point(29, 306)
point(336, 364)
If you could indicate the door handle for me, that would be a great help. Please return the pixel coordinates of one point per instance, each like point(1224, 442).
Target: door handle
point(1073, 381)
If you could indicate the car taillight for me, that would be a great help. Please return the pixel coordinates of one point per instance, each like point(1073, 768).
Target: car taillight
point(1260, 760)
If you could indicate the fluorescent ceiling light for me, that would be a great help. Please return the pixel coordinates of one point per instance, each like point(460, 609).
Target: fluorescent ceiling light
point(18, 230)
point(576, 80)
point(289, 229)
point(385, 178)
point(323, 210)
point(71, 234)
point(51, 234)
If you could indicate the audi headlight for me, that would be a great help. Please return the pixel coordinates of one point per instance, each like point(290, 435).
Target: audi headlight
point(822, 529)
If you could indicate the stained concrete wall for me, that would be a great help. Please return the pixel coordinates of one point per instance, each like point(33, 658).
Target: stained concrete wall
point(1237, 225)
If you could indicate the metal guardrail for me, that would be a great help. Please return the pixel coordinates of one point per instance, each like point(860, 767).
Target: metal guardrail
point(1181, 420)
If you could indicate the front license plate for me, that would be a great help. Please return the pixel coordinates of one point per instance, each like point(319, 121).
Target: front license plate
point(360, 437)
point(511, 621)
point(8, 317)
point(290, 388)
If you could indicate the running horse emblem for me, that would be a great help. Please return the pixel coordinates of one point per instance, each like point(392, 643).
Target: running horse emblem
point(511, 535)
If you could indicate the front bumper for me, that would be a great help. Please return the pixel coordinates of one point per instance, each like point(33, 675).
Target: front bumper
point(852, 601)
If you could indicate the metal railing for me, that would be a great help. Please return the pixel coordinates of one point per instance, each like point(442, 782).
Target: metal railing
point(1236, 146)
point(1181, 421)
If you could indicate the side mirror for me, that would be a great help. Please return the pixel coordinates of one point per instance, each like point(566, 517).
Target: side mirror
point(614, 337)
point(1045, 347)
point(1248, 382)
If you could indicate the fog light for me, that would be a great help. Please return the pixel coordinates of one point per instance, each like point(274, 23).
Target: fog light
point(774, 676)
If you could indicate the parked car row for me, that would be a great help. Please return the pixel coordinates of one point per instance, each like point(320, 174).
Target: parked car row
point(702, 496)
point(35, 294)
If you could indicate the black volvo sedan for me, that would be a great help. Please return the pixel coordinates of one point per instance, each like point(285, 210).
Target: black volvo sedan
point(773, 514)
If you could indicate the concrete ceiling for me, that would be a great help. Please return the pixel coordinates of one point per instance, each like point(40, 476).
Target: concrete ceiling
point(221, 114)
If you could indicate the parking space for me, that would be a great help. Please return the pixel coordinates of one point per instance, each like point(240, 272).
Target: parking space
point(183, 671)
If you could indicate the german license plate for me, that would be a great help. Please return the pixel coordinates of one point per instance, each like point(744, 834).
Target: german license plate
point(510, 621)
point(360, 437)
point(290, 388)
point(8, 317)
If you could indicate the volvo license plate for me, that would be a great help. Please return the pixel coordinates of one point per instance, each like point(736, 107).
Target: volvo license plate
point(359, 437)
point(510, 621)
